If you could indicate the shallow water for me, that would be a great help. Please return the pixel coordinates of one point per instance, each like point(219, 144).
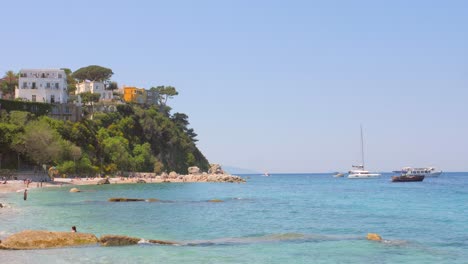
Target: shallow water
point(298, 218)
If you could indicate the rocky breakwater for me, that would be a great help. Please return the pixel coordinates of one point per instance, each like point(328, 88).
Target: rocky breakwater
point(214, 174)
point(39, 239)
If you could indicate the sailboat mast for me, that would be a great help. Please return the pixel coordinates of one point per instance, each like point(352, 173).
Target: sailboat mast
point(362, 148)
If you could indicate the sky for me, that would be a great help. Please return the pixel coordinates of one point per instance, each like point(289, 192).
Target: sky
point(275, 86)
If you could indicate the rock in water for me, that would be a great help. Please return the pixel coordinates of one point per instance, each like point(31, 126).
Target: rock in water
point(115, 240)
point(374, 237)
point(162, 242)
point(215, 201)
point(125, 200)
point(38, 239)
point(74, 190)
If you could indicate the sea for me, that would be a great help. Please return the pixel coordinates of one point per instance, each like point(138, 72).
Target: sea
point(283, 218)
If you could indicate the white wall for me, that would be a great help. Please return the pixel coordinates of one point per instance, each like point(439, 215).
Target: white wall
point(48, 83)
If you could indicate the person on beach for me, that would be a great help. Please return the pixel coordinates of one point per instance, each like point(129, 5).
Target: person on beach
point(74, 229)
point(25, 195)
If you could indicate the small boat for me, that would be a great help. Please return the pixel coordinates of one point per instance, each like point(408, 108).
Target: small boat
point(427, 172)
point(338, 175)
point(266, 174)
point(408, 178)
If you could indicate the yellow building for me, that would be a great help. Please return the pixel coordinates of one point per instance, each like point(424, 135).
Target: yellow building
point(134, 95)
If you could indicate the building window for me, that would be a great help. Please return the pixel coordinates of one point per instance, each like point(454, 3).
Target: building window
point(33, 85)
point(25, 85)
point(47, 85)
point(60, 75)
point(52, 99)
point(33, 98)
point(56, 85)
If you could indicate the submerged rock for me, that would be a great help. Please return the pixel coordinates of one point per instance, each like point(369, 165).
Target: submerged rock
point(116, 240)
point(162, 242)
point(215, 201)
point(125, 200)
point(74, 190)
point(374, 237)
point(38, 239)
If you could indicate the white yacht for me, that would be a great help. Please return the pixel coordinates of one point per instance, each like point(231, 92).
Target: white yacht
point(426, 172)
point(359, 172)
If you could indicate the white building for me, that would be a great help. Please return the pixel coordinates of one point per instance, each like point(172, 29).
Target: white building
point(42, 85)
point(94, 87)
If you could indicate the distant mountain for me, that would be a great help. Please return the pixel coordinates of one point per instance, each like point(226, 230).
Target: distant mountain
point(236, 170)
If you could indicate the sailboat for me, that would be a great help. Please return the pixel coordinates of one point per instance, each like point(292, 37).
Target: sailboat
point(358, 171)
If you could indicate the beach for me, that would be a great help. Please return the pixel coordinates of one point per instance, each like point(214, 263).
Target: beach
point(19, 185)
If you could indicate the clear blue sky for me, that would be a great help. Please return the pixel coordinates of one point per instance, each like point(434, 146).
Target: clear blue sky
point(278, 86)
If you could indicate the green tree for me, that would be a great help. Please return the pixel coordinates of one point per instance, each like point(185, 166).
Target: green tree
point(9, 82)
point(40, 143)
point(165, 92)
point(113, 86)
point(143, 160)
point(93, 73)
point(71, 82)
point(116, 151)
point(88, 97)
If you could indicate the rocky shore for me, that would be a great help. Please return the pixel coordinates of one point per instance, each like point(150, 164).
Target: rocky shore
point(214, 174)
point(41, 239)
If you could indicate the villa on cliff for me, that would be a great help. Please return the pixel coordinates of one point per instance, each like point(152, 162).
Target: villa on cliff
point(96, 88)
point(42, 85)
point(48, 86)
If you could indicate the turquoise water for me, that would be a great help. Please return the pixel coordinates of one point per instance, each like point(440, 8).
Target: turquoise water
point(295, 218)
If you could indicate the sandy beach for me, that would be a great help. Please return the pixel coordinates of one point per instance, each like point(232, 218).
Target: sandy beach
point(19, 185)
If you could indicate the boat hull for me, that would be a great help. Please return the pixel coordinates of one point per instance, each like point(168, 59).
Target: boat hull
point(409, 178)
point(433, 174)
point(364, 176)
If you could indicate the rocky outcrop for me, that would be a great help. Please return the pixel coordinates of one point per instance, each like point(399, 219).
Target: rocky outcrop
point(194, 170)
point(125, 200)
point(173, 175)
point(74, 190)
point(140, 181)
point(103, 181)
point(215, 169)
point(115, 240)
point(213, 178)
point(38, 239)
point(374, 237)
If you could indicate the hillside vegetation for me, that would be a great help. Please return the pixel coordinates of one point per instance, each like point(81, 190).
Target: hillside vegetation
point(134, 138)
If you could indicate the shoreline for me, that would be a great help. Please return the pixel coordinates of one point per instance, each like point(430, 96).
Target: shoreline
point(13, 186)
